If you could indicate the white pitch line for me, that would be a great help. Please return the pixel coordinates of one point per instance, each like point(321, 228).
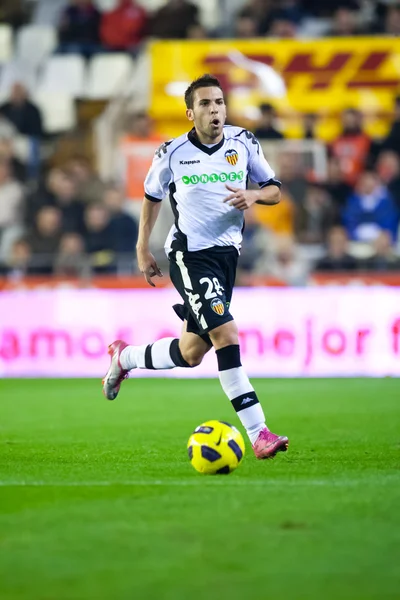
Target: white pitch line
point(210, 481)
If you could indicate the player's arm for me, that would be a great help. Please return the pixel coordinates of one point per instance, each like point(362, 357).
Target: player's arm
point(242, 199)
point(155, 187)
point(268, 195)
point(260, 173)
point(146, 262)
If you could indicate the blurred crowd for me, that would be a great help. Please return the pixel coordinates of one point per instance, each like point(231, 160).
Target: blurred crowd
point(69, 222)
point(345, 221)
point(90, 26)
point(65, 220)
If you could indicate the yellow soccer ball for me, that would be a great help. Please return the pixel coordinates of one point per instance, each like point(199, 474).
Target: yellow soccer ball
point(215, 448)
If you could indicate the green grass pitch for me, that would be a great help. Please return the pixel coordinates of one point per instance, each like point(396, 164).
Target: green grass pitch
point(99, 501)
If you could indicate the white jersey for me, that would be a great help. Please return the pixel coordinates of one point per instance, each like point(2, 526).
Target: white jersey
point(195, 176)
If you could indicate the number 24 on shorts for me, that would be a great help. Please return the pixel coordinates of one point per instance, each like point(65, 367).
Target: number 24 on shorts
point(210, 287)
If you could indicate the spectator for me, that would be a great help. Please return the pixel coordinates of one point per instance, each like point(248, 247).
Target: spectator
point(282, 28)
point(266, 129)
point(352, 146)
point(173, 20)
point(291, 173)
point(124, 27)
point(65, 198)
point(60, 190)
point(71, 259)
point(11, 208)
point(89, 187)
point(256, 247)
point(18, 263)
point(384, 257)
point(392, 20)
point(325, 9)
point(291, 10)
point(279, 218)
point(22, 113)
point(79, 28)
point(123, 228)
point(18, 169)
point(44, 239)
point(286, 263)
point(196, 32)
point(140, 127)
point(314, 216)
point(245, 25)
point(337, 188)
point(309, 124)
point(259, 11)
point(42, 195)
point(345, 21)
point(135, 156)
point(370, 209)
point(337, 257)
point(98, 238)
point(392, 140)
point(388, 169)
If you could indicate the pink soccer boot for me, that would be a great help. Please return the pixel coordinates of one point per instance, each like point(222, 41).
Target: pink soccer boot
point(268, 444)
point(115, 374)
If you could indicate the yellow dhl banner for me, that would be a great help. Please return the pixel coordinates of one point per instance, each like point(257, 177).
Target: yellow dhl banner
point(322, 76)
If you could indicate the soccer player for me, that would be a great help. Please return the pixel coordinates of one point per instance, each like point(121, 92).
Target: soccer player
point(205, 173)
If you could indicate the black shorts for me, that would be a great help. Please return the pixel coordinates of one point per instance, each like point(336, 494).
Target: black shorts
point(205, 280)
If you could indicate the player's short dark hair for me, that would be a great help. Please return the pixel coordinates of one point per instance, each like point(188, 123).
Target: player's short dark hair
point(203, 81)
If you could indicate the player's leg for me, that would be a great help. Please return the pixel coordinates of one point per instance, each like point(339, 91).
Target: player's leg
point(166, 353)
point(241, 393)
point(206, 279)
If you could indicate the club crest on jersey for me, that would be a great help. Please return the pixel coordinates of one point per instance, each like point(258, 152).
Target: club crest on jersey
point(218, 306)
point(232, 157)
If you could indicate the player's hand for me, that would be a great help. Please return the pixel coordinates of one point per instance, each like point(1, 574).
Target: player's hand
point(148, 266)
point(239, 198)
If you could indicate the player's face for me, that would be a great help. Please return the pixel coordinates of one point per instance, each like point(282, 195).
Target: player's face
point(208, 114)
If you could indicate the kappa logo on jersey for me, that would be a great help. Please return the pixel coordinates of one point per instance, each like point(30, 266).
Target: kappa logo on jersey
point(189, 162)
point(232, 157)
point(218, 306)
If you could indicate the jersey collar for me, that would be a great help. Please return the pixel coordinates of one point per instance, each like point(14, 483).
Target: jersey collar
point(192, 137)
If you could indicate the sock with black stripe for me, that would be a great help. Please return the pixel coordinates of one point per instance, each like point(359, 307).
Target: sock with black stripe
point(163, 354)
point(239, 390)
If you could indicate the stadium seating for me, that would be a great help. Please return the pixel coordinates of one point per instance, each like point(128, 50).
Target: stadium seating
point(16, 71)
point(34, 43)
point(5, 43)
point(58, 110)
point(63, 74)
point(108, 75)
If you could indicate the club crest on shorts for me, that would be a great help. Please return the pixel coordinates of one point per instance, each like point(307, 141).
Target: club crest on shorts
point(232, 156)
point(218, 306)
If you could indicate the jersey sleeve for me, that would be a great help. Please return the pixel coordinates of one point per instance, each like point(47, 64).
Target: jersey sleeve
point(260, 171)
point(159, 176)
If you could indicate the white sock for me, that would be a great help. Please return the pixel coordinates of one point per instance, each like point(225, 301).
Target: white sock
point(240, 392)
point(254, 432)
point(162, 354)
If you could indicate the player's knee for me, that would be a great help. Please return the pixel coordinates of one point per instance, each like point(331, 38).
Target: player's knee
point(225, 335)
point(193, 356)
